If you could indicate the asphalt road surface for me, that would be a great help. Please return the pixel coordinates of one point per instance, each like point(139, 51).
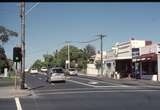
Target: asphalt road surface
point(84, 93)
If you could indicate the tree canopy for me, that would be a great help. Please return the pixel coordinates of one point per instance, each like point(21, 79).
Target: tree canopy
point(5, 34)
point(78, 57)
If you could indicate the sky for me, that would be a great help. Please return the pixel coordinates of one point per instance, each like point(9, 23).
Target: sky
point(49, 25)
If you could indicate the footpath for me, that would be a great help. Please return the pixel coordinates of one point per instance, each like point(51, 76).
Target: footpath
point(8, 90)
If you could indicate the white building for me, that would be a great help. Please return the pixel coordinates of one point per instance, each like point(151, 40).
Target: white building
point(119, 59)
point(91, 67)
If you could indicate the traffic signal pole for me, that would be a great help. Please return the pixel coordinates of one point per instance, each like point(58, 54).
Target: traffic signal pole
point(68, 56)
point(22, 15)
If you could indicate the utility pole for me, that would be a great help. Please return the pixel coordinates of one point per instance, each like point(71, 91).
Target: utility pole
point(101, 37)
point(22, 15)
point(67, 42)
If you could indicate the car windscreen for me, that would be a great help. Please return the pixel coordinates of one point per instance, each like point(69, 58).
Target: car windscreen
point(57, 70)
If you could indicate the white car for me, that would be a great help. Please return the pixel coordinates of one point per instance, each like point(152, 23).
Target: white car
point(43, 69)
point(56, 74)
point(26, 70)
point(72, 71)
point(33, 70)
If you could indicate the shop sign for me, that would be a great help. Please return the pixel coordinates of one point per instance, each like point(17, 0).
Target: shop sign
point(135, 52)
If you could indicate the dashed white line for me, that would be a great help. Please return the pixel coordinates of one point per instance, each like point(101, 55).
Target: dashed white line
point(18, 104)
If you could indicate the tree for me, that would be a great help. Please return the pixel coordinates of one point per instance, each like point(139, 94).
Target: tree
point(5, 34)
point(78, 57)
point(98, 64)
point(3, 59)
point(89, 51)
point(37, 64)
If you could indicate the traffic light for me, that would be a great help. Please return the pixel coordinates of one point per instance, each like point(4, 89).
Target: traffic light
point(17, 54)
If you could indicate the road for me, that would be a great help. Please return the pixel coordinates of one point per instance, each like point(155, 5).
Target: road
point(85, 93)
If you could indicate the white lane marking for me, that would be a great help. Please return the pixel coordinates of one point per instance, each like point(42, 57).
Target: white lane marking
point(81, 83)
point(100, 81)
point(95, 85)
point(92, 82)
point(113, 86)
point(40, 78)
point(18, 104)
point(98, 88)
point(52, 84)
point(84, 92)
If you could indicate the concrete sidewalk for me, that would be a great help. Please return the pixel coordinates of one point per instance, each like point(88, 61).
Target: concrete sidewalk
point(7, 89)
point(11, 92)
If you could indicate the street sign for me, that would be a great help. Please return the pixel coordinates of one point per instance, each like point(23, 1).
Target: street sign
point(135, 52)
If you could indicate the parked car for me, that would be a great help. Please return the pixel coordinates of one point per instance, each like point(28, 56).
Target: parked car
point(56, 74)
point(73, 72)
point(26, 70)
point(33, 70)
point(43, 69)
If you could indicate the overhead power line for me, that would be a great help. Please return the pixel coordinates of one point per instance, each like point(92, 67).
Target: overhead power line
point(89, 41)
point(31, 8)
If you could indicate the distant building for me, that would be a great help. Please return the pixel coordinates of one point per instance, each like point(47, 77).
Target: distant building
point(135, 58)
point(91, 66)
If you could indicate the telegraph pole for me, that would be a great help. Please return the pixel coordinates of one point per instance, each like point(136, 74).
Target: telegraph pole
point(101, 37)
point(68, 53)
point(22, 15)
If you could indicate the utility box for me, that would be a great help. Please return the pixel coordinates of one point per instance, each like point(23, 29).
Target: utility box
point(5, 72)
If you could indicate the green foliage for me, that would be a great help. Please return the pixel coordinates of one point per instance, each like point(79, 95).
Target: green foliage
point(89, 51)
point(3, 59)
point(37, 64)
point(98, 64)
point(6, 33)
point(78, 57)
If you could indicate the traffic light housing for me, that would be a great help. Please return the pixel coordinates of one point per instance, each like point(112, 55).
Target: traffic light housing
point(17, 54)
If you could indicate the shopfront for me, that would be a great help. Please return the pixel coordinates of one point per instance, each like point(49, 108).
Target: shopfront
point(145, 64)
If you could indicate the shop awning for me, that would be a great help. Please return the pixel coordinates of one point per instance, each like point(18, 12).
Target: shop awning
point(147, 57)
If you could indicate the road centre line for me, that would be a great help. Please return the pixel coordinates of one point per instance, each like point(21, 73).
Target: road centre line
point(18, 104)
point(84, 92)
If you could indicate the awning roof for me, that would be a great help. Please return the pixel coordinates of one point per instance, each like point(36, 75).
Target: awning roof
point(148, 57)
